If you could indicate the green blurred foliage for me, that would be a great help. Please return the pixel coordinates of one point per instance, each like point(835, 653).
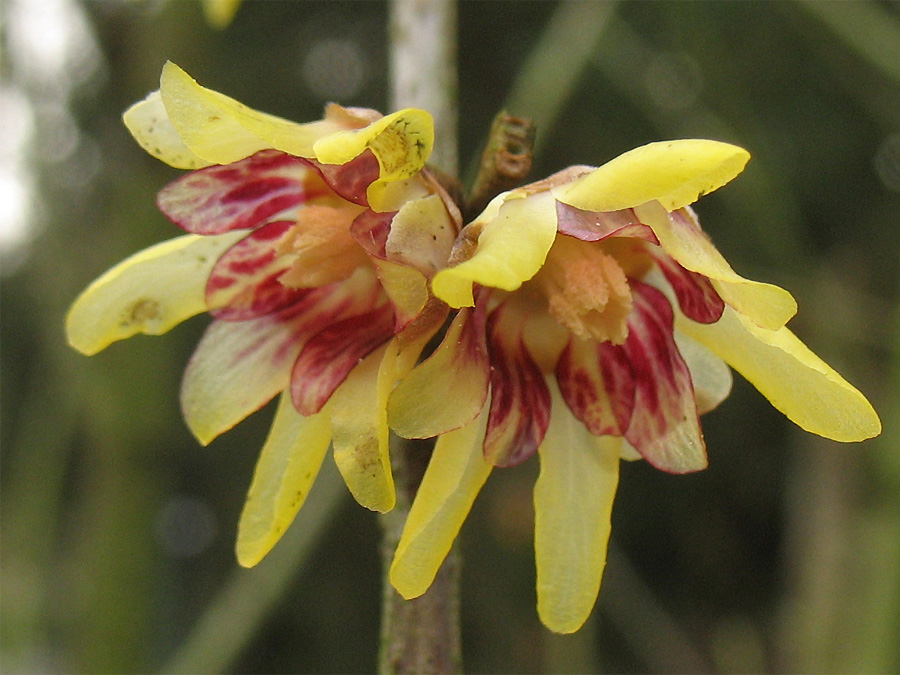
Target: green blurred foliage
point(784, 556)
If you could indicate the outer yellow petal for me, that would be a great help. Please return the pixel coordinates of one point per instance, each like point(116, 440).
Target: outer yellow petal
point(222, 130)
point(149, 123)
point(512, 247)
point(150, 292)
point(674, 173)
point(785, 371)
point(573, 499)
point(455, 474)
point(285, 472)
point(767, 305)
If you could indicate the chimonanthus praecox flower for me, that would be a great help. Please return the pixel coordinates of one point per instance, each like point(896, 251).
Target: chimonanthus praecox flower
point(312, 246)
point(597, 322)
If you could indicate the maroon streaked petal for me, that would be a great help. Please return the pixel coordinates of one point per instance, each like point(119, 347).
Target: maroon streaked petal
point(241, 195)
point(520, 399)
point(244, 282)
point(331, 354)
point(665, 426)
point(371, 230)
point(597, 383)
point(597, 225)
point(350, 180)
point(696, 295)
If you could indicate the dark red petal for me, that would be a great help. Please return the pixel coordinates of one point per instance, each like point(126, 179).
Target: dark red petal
point(371, 230)
point(244, 282)
point(598, 385)
point(696, 295)
point(350, 180)
point(597, 225)
point(665, 426)
point(331, 354)
point(520, 399)
point(241, 195)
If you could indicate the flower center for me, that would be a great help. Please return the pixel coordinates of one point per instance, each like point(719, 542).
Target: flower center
point(586, 289)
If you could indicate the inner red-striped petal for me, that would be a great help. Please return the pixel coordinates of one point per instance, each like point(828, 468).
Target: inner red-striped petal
point(352, 179)
point(664, 426)
point(240, 195)
point(520, 400)
point(696, 295)
point(244, 282)
point(597, 225)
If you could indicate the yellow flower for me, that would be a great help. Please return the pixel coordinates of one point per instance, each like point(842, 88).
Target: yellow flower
point(312, 246)
point(596, 324)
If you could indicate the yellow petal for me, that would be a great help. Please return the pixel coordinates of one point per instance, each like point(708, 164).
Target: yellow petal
point(150, 292)
point(785, 371)
point(674, 173)
point(766, 304)
point(285, 472)
point(455, 474)
point(710, 375)
point(511, 248)
point(222, 130)
point(573, 499)
point(149, 123)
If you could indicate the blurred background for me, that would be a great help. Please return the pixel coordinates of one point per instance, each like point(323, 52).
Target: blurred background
point(118, 528)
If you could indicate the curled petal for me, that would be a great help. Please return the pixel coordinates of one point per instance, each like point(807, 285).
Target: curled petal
point(596, 226)
point(150, 292)
point(351, 179)
point(456, 473)
point(240, 195)
point(673, 173)
point(150, 126)
point(785, 371)
point(447, 390)
point(573, 499)
point(511, 248)
point(664, 427)
point(681, 238)
point(287, 467)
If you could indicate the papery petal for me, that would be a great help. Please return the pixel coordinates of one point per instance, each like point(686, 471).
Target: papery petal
point(285, 472)
point(596, 226)
point(598, 384)
point(785, 371)
point(665, 426)
point(240, 195)
point(767, 305)
point(222, 130)
point(673, 173)
point(421, 234)
point(512, 246)
point(520, 402)
point(333, 352)
point(710, 375)
point(456, 473)
point(150, 292)
point(695, 294)
point(448, 389)
point(245, 284)
point(149, 124)
point(573, 499)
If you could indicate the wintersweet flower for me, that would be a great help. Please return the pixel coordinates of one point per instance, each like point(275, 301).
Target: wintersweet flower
point(312, 246)
point(596, 324)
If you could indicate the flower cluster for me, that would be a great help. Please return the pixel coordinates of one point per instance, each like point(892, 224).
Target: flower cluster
point(589, 319)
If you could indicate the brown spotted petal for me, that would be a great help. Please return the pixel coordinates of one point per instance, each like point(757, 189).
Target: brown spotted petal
point(598, 225)
point(245, 281)
point(520, 401)
point(694, 292)
point(664, 427)
point(598, 385)
point(240, 195)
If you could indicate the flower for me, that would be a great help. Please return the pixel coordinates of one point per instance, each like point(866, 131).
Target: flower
point(311, 245)
point(597, 320)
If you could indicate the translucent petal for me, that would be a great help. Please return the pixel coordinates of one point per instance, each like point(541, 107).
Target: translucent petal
point(767, 305)
point(285, 472)
point(674, 173)
point(511, 248)
point(149, 124)
point(455, 474)
point(711, 375)
point(785, 371)
point(573, 499)
point(150, 292)
point(222, 130)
